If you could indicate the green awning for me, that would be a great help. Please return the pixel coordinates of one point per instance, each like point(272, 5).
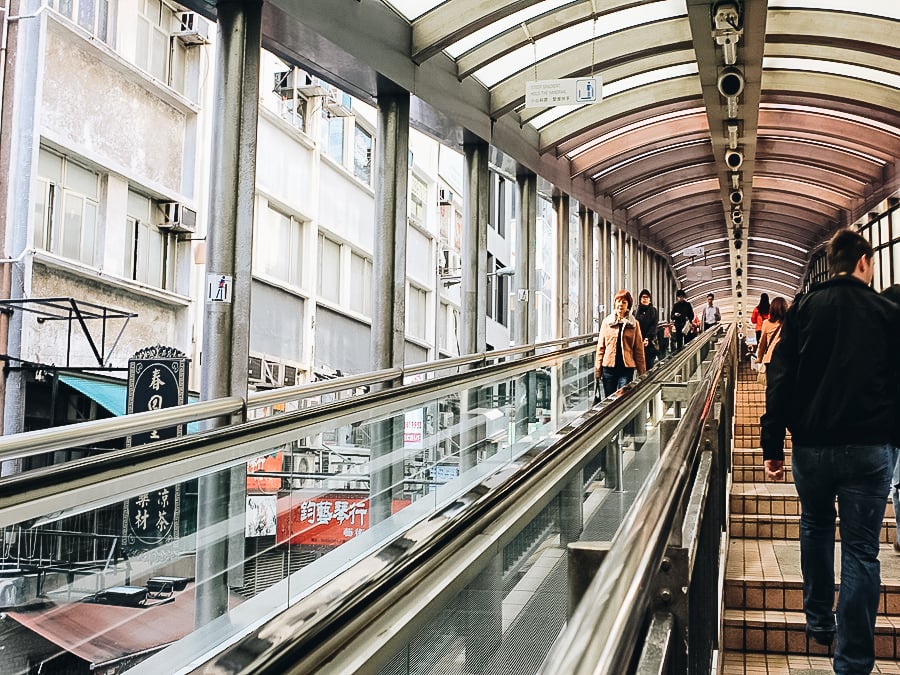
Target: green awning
point(110, 394)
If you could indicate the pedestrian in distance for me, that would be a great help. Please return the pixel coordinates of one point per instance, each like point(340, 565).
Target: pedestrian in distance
point(648, 317)
point(682, 315)
point(620, 347)
point(760, 314)
point(770, 335)
point(711, 313)
point(832, 381)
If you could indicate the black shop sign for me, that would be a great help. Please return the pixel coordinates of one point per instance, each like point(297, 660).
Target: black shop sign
point(157, 378)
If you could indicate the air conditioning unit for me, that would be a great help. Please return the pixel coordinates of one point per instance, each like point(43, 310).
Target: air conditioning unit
point(271, 374)
point(178, 218)
point(337, 107)
point(445, 197)
point(254, 370)
point(290, 376)
point(193, 29)
point(286, 82)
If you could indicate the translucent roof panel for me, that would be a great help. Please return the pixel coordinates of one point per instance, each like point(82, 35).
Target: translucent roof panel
point(816, 124)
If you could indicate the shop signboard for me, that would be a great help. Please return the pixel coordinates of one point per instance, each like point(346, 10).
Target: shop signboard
point(157, 379)
point(325, 519)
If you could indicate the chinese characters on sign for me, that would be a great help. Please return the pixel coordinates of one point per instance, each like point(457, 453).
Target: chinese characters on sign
point(151, 519)
point(157, 378)
point(568, 91)
point(327, 519)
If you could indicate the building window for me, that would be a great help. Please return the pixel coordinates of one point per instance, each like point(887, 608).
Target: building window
point(150, 251)
point(329, 286)
point(278, 246)
point(333, 136)
point(66, 207)
point(416, 312)
point(155, 50)
point(360, 284)
point(418, 193)
point(94, 16)
point(362, 155)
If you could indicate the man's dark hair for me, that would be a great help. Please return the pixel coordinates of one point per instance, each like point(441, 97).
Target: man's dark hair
point(845, 249)
point(710, 296)
point(679, 293)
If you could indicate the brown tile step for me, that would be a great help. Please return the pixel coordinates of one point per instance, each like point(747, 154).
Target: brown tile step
point(770, 526)
point(777, 632)
point(754, 663)
point(787, 595)
point(752, 458)
point(772, 498)
point(756, 474)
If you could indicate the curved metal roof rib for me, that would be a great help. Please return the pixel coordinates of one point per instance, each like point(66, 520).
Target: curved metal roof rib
point(813, 125)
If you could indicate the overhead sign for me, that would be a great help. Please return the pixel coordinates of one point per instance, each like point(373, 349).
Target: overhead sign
point(568, 91)
point(693, 251)
point(698, 273)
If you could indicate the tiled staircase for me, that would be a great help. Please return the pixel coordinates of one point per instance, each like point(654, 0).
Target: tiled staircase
point(764, 626)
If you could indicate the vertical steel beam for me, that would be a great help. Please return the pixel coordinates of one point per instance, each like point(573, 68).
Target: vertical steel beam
point(561, 271)
point(473, 281)
point(226, 332)
point(586, 269)
point(389, 316)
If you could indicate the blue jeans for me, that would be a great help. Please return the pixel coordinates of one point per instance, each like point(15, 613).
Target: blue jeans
point(895, 492)
point(613, 382)
point(859, 477)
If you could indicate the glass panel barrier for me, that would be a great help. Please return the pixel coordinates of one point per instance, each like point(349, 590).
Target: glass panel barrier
point(285, 506)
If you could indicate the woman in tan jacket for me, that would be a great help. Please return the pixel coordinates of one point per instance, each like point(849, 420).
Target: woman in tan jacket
point(620, 348)
point(769, 336)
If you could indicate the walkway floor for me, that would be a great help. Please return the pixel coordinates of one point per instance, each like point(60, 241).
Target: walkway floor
point(763, 626)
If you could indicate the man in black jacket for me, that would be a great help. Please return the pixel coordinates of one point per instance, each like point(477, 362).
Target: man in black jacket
point(832, 382)
point(682, 314)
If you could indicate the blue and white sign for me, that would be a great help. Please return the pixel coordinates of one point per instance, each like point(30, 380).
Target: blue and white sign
point(567, 91)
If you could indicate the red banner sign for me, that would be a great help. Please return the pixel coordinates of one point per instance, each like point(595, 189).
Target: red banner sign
point(325, 519)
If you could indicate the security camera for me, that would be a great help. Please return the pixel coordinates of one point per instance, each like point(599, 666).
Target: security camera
point(726, 17)
point(734, 159)
point(506, 271)
point(730, 82)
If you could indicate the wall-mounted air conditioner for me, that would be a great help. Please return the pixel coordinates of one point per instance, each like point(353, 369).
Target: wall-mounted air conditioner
point(193, 29)
point(445, 197)
point(178, 218)
point(337, 107)
point(286, 82)
point(271, 374)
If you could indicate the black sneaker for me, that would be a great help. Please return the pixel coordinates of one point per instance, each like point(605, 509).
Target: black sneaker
point(823, 637)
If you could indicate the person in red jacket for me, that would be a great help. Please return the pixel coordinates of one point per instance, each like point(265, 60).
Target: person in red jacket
point(760, 314)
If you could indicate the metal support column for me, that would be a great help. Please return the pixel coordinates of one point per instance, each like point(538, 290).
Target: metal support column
point(226, 332)
point(561, 271)
point(586, 271)
point(473, 289)
point(389, 316)
point(19, 141)
point(525, 319)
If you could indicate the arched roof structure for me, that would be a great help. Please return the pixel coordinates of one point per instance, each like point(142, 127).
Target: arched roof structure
point(812, 123)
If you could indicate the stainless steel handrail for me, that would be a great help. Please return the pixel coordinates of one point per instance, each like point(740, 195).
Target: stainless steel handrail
point(404, 581)
point(30, 443)
point(58, 487)
point(600, 636)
